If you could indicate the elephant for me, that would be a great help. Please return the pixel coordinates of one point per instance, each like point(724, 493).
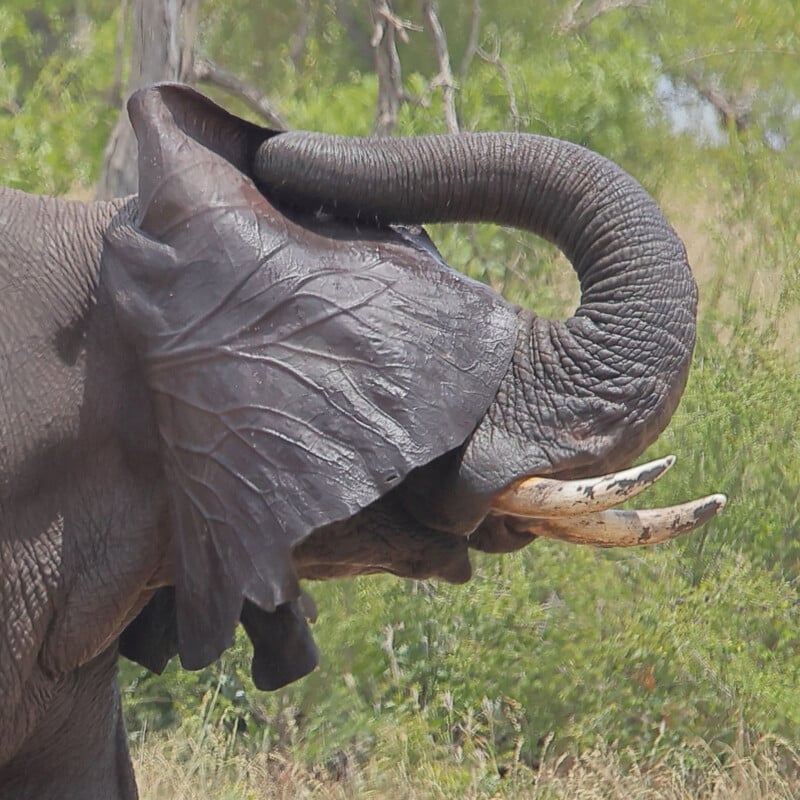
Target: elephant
point(259, 370)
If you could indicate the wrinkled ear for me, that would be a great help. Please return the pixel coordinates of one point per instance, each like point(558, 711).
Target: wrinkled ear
point(283, 649)
point(151, 639)
point(193, 178)
point(299, 369)
point(167, 115)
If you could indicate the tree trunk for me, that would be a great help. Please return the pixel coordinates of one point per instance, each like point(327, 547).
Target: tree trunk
point(164, 34)
point(385, 29)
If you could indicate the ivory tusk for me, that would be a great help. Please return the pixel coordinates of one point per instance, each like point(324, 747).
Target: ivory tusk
point(629, 528)
point(545, 497)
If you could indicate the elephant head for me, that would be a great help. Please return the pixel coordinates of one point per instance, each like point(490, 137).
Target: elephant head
point(260, 370)
point(581, 396)
point(320, 377)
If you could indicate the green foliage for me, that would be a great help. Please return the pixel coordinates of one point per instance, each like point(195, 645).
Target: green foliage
point(56, 68)
point(217, 695)
point(650, 650)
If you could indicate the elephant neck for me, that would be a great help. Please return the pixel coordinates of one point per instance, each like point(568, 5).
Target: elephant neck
point(53, 314)
point(50, 254)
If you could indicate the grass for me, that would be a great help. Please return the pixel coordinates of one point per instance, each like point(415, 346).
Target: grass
point(669, 674)
point(178, 766)
point(662, 675)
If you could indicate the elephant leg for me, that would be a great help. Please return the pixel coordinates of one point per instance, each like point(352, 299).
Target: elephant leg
point(79, 748)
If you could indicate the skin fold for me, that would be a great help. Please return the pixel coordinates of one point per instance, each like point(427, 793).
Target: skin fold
point(260, 370)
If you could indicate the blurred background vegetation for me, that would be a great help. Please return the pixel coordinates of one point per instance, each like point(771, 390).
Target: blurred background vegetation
point(557, 652)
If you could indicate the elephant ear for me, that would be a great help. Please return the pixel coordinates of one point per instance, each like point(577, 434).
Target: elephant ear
point(299, 368)
point(283, 649)
point(151, 639)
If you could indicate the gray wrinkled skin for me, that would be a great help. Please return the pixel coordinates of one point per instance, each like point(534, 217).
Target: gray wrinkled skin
point(78, 542)
point(213, 390)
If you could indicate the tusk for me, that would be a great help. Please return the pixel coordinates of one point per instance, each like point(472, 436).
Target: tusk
point(629, 528)
point(545, 497)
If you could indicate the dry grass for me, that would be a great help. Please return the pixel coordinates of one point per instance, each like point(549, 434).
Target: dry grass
point(736, 275)
point(768, 772)
point(181, 768)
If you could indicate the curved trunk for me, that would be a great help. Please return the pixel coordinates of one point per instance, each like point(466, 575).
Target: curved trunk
point(583, 395)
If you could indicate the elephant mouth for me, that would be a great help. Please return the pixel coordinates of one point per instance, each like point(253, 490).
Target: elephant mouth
point(385, 538)
point(582, 511)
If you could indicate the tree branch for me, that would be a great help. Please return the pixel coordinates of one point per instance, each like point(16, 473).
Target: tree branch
point(574, 21)
point(494, 59)
point(471, 50)
point(444, 79)
point(386, 26)
point(730, 109)
point(206, 71)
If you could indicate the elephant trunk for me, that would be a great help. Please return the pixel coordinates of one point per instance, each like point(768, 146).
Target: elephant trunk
point(583, 395)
